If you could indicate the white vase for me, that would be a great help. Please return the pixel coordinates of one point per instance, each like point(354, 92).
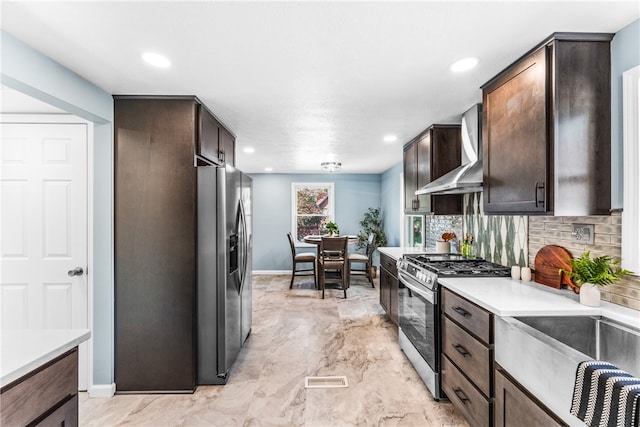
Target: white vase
point(443, 247)
point(590, 295)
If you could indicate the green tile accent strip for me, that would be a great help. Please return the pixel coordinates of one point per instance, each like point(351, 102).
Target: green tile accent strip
point(498, 238)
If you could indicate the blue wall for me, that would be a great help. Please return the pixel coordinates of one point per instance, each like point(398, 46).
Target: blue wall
point(34, 74)
point(354, 194)
point(625, 54)
point(391, 197)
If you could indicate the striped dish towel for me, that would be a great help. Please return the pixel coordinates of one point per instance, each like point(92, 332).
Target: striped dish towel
point(605, 396)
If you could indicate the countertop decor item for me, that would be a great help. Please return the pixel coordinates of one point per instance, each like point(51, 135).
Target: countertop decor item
point(591, 273)
point(548, 262)
point(444, 246)
point(467, 245)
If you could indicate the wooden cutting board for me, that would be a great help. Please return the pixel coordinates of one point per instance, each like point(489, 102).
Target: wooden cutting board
point(548, 261)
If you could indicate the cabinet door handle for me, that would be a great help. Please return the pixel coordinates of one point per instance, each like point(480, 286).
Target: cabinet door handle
point(540, 186)
point(463, 397)
point(460, 349)
point(461, 311)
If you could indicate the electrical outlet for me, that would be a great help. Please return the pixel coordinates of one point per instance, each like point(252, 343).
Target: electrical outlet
point(583, 233)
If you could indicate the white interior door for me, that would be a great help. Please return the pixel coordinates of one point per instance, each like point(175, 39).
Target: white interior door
point(44, 228)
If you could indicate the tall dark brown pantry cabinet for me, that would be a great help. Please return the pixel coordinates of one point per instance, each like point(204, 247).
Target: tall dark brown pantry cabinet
point(431, 154)
point(158, 142)
point(547, 130)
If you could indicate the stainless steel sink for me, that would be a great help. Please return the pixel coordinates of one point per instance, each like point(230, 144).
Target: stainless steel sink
point(597, 337)
point(542, 353)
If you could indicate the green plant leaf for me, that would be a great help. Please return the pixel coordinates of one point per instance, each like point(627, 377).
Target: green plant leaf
point(599, 271)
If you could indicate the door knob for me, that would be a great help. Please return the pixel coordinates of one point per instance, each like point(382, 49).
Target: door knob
point(78, 271)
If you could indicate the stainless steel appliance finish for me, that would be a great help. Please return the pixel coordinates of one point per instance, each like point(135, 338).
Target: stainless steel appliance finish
point(224, 269)
point(419, 307)
point(467, 178)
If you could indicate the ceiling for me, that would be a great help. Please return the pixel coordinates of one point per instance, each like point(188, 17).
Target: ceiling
point(304, 82)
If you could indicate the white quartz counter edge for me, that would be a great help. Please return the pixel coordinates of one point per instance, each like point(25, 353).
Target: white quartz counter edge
point(26, 350)
point(507, 297)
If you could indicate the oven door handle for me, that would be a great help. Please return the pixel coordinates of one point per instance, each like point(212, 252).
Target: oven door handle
point(429, 296)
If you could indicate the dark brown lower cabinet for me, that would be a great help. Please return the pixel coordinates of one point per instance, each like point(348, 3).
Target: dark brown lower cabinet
point(389, 286)
point(514, 407)
point(48, 396)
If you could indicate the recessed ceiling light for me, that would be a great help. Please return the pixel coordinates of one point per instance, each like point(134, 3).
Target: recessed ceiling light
point(464, 64)
point(390, 138)
point(249, 150)
point(268, 169)
point(156, 60)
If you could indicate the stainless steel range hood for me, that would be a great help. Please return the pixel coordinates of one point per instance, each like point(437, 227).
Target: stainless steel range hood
point(466, 178)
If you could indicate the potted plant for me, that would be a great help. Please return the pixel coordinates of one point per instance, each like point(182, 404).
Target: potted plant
point(332, 228)
point(372, 223)
point(592, 273)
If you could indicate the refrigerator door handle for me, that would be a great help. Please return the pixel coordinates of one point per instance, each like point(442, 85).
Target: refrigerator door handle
point(243, 245)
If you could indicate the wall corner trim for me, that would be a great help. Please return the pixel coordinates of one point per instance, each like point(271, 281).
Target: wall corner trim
point(102, 390)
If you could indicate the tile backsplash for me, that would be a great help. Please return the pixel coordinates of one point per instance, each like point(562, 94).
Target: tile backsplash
point(498, 238)
point(435, 225)
point(515, 240)
point(556, 230)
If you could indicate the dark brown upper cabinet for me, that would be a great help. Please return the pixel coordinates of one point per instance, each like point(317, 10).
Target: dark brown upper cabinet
point(433, 153)
point(227, 147)
point(547, 130)
point(215, 143)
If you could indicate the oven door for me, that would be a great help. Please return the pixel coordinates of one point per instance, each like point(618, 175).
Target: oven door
point(418, 318)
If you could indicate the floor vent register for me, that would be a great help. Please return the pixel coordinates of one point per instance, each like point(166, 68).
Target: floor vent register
point(325, 382)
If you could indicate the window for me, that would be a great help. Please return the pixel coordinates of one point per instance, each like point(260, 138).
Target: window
point(414, 230)
point(313, 207)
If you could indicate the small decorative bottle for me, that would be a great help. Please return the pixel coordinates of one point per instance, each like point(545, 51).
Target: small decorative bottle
point(467, 246)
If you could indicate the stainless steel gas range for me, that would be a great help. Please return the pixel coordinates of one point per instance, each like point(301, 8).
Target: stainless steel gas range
point(419, 307)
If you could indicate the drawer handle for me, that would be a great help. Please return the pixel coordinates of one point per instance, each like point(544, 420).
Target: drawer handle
point(461, 311)
point(463, 397)
point(460, 349)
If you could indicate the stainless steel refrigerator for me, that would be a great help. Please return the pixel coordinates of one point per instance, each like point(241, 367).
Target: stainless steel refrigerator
point(224, 270)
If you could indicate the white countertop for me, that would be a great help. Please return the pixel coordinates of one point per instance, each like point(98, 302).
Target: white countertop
point(397, 252)
point(507, 297)
point(25, 350)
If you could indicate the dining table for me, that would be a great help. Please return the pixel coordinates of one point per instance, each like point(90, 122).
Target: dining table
point(316, 239)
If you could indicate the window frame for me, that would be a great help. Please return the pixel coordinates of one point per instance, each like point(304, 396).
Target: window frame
point(294, 205)
point(631, 162)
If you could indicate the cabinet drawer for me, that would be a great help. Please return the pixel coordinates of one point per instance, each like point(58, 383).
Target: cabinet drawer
point(475, 319)
point(470, 355)
point(464, 396)
point(66, 415)
point(389, 264)
point(36, 393)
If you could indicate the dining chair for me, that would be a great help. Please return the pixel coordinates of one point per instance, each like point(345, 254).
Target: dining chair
point(363, 258)
point(302, 258)
point(332, 254)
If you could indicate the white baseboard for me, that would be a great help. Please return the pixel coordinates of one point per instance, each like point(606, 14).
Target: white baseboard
point(272, 272)
point(102, 390)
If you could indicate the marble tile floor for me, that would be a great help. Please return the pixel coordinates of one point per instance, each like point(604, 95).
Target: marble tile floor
point(297, 334)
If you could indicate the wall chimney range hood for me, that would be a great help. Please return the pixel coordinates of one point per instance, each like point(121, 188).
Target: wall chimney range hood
point(467, 178)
